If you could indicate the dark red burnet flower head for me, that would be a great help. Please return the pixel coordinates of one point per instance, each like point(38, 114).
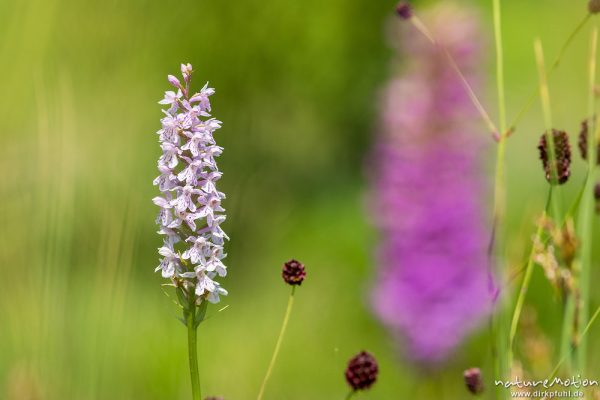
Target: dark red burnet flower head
point(473, 380)
point(293, 272)
point(404, 10)
point(562, 155)
point(594, 6)
point(583, 142)
point(362, 371)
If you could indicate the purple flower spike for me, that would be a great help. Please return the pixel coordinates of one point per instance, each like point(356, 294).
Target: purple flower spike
point(433, 284)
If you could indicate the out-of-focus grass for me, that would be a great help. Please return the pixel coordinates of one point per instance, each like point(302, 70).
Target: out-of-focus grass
point(81, 314)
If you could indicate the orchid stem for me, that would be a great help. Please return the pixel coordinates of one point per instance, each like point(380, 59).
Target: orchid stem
point(192, 348)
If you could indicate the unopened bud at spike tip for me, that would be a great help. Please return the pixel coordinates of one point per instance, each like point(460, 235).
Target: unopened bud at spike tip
point(562, 155)
point(594, 6)
point(174, 81)
point(473, 380)
point(404, 10)
point(362, 371)
point(186, 71)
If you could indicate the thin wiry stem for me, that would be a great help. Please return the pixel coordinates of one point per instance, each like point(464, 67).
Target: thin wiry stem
point(501, 365)
point(525, 286)
point(585, 222)
point(286, 319)
point(583, 335)
point(499, 65)
point(421, 27)
point(499, 187)
point(544, 94)
point(547, 111)
point(349, 395)
point(533, 95)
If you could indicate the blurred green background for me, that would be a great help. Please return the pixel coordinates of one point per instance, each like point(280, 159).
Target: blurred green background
point(82, 315)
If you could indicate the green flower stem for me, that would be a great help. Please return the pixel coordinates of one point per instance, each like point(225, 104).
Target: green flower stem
point(190, 317)
point(349, 395)
point(583, 335)
point(532, 96)
point(286, 319)
point(547, 111)
point(585, 223)
point(499, 66)
point(501, 357)
point(525, 286)
point(421, 27)
point(570, 306)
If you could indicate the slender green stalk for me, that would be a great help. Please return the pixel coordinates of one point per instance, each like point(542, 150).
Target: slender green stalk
point(192, 347)
point(350, 395)
point(547, 111)
point(286, 319)
point(421, 27)
point(532, 96)
point(585, 222)
point(499, 65)
point(568, 317)
point(583, 335)
point(501, 365)
point(567, 332)
point(499, 189)
point(525, 285)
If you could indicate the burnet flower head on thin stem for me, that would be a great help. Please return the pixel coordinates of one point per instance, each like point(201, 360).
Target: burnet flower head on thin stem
point(473, 380)
point(362, 370)
point(191, 214)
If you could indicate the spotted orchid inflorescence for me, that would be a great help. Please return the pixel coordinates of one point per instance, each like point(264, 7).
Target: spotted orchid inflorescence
point(190, 214)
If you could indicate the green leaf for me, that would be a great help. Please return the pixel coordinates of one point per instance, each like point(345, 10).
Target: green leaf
point(201, 313)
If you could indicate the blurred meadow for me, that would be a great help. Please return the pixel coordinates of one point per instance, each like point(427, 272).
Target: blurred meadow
point(82, 314)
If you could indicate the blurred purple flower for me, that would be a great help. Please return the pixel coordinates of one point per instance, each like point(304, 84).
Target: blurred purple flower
point(433, 284)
